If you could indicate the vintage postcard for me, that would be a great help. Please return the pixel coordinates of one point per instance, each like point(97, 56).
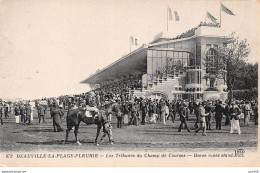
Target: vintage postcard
point(129, 83)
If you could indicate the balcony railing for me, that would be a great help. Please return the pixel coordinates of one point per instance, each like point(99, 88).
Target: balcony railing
point(192, 67)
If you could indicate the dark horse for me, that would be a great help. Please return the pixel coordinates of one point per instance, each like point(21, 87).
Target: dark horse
point(75, 116)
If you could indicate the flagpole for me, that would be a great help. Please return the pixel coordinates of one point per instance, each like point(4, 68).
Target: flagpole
point(205, 16)
point(130, 44)
point(220, 14)
point(167, 16)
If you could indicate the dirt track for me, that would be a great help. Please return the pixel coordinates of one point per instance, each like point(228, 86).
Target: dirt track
point(149, 137)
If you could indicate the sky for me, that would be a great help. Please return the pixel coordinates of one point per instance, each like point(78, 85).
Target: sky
point(47, 47)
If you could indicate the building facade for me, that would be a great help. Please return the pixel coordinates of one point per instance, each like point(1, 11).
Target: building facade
point(186, 67)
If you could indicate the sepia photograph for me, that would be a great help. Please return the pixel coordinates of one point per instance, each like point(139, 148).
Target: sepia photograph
point(129, 83)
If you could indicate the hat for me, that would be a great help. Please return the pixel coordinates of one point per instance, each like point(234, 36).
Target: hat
point(91, 93)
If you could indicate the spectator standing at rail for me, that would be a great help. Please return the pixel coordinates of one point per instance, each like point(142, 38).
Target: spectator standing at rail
point(202, 114)
point(182, 113)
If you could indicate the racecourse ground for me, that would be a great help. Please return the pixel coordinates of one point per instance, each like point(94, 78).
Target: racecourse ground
point(149, 137)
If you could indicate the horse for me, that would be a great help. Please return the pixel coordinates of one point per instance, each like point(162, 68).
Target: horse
point(75, 116)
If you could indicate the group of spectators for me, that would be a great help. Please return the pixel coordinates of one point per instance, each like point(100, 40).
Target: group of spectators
point(148, 110)
point(130, 110)
point(4, 110)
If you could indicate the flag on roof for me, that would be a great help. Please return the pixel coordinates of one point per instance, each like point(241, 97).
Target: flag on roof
point(134, 41)
point(226, 10)
point(212, 18)
point(177, 18)
point(170, 13)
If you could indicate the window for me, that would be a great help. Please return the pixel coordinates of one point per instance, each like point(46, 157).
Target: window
point(161, 62)
point(211, 61)
point(193, 77)
point(150, 53)
point(191, 60)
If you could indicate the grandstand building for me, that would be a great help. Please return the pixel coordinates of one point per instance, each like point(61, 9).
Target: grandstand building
point(185, 67)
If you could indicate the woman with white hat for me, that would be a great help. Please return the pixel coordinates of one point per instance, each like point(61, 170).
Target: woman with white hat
point(234, 117)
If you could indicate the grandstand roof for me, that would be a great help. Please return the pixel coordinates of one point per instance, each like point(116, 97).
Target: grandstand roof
point(133, 63)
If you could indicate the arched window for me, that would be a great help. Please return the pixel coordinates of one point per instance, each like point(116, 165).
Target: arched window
point(211, 61)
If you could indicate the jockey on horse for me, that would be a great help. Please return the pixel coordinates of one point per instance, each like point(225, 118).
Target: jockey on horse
point(91, 105)
point(98, 117)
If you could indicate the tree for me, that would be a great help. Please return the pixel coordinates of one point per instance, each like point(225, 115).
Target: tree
point(234, 56)
point(250, 76)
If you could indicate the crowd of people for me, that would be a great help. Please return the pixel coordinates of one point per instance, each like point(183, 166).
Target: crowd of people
point(131, 110)
point(118, 101)
point(154, 111)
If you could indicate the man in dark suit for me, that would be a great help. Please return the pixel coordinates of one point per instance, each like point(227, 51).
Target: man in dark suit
point(182, 113)
point(22, 112)
point(219, 110)
point(42, 112)
point(6, 111)
point(143, 110)
point(1, 114)
point(28, 113)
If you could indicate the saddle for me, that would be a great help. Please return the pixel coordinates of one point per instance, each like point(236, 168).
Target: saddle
point(89, 114)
